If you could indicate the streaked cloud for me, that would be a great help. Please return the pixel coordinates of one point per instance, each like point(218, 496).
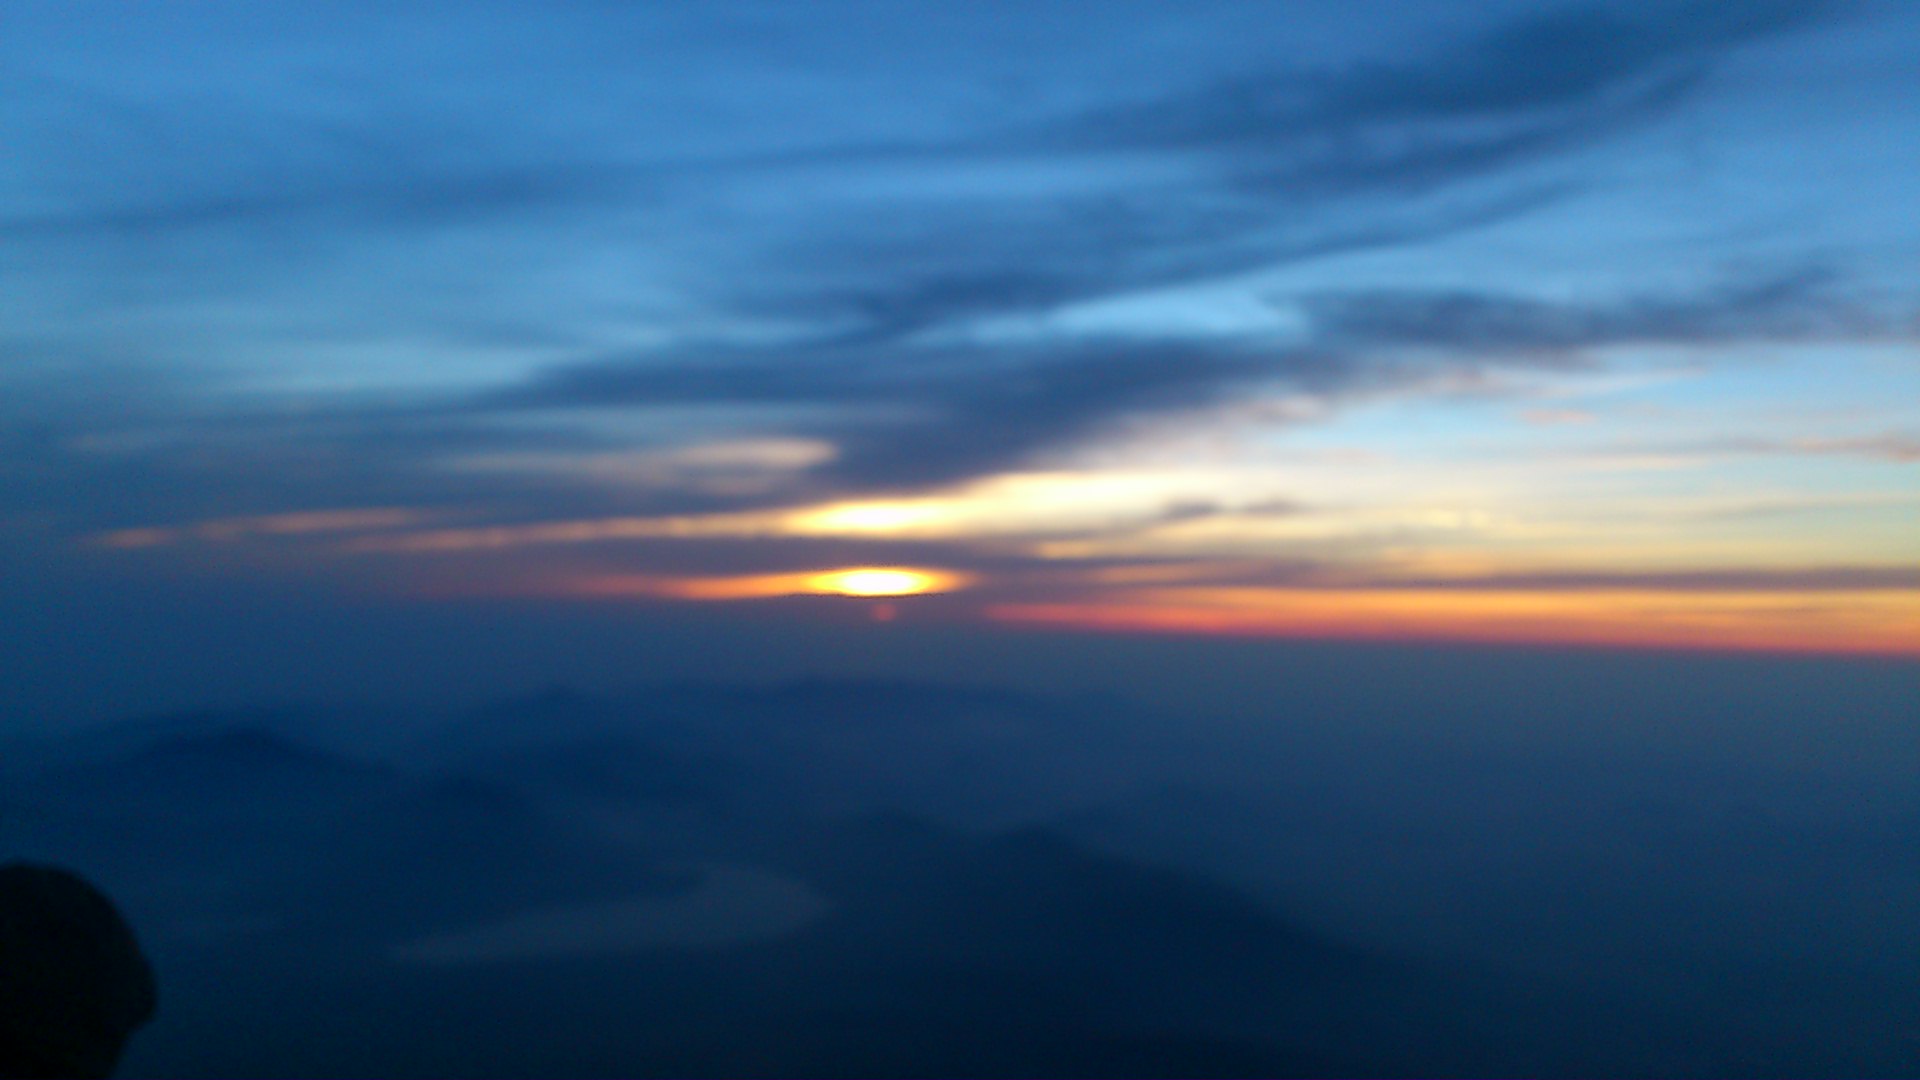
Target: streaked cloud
point(1871, 622)
point(303, 523)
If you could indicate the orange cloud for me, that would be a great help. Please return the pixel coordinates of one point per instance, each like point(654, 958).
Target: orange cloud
point(1870, 622)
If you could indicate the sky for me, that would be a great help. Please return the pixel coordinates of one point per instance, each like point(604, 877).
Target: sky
point(1526, 323)
point(484, 475)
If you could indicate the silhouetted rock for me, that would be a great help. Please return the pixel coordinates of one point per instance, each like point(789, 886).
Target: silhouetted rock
point(73, 983)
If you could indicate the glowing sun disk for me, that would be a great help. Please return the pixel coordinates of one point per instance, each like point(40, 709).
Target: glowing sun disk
point(877, 581)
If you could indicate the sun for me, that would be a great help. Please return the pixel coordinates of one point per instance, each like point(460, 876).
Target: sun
point(880, 581)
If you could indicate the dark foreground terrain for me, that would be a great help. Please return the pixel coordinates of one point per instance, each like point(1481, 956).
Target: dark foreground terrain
point(892, 879)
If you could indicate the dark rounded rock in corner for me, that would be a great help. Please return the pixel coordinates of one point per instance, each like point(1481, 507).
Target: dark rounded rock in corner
point(73, 983)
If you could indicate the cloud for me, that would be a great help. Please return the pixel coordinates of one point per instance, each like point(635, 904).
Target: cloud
point(1891, 447)
point(1534, 64)
point(906, 416)
point(1555, 58)
point(1556, 417)
point(98, 458)
point(889, 250)
point(1804, 579)
point(1800, 306)
point(882, 239)
point(297, 524)
point(1263, 170)
point(376, 202)
point(863, 271)
point(1899, 449)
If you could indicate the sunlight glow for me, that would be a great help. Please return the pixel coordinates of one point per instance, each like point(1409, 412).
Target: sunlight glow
point(879, 517)
point(1872, 622)
point(850, 581)
point(877, 581)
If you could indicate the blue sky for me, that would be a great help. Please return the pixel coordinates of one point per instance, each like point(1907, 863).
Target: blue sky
point(1517, 304)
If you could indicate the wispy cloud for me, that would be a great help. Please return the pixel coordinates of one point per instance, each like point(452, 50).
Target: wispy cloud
point(1903, 449)
point(1893, 448)
point(1739, 580)
point(1803, 306)
point(303, 523)
point(882, 239)
point(1254, 172)
point(904, 415)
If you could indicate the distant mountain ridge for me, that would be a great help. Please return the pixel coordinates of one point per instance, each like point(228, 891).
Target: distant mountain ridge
point(985, 862)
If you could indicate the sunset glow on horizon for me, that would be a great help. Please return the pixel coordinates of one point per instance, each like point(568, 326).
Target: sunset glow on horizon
point(882, 581)
point(1862, 624)
point(1151, 342)
point(858, 581)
